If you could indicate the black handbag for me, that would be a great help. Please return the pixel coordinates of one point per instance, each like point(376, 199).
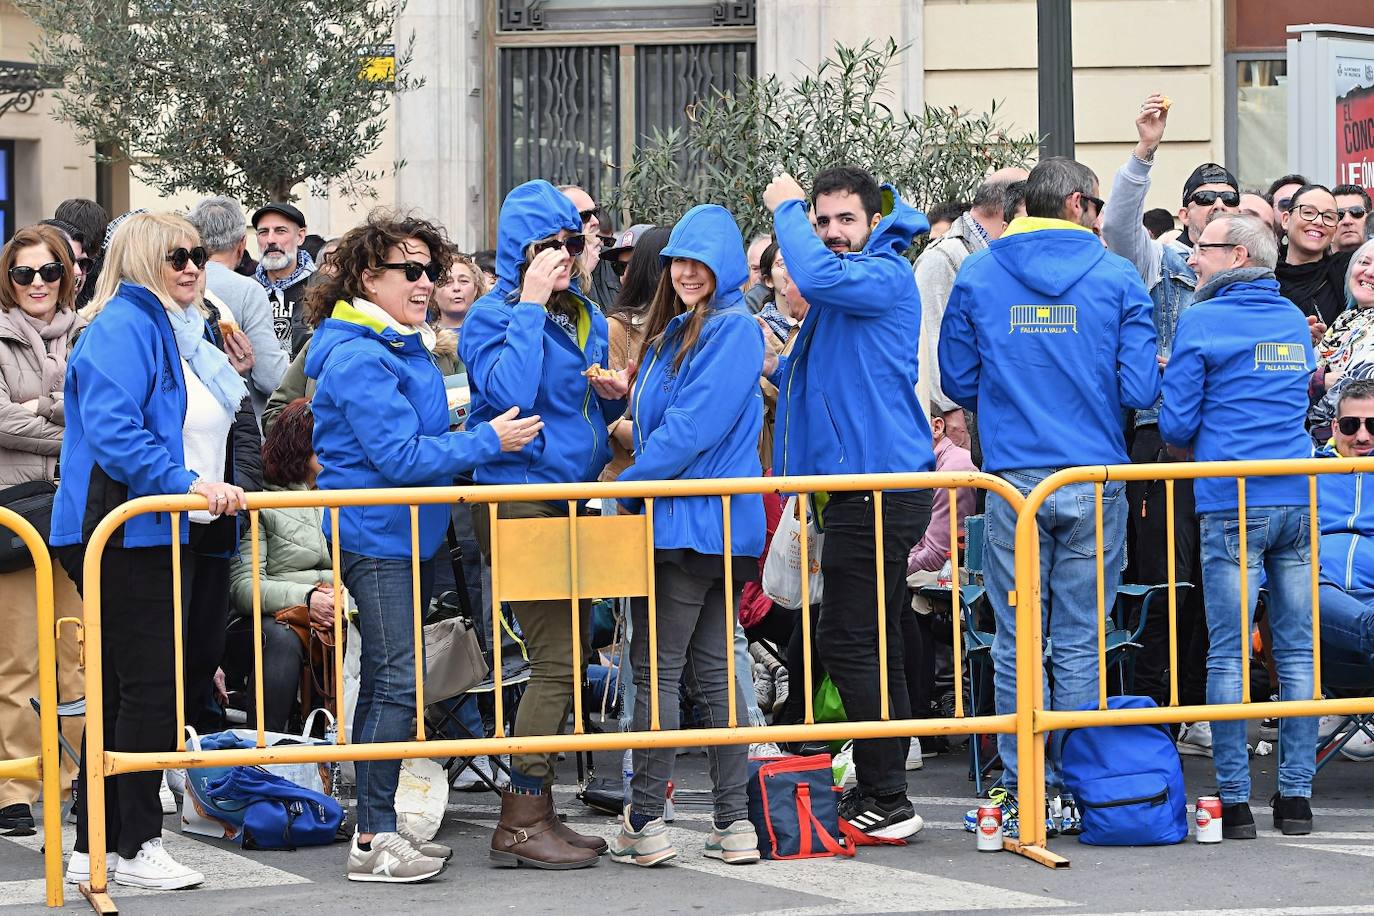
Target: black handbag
point(32, 500)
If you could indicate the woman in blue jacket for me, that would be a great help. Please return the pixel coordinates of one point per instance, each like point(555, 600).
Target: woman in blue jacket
point(697, 411)
point(381, 420)
point(529, 344)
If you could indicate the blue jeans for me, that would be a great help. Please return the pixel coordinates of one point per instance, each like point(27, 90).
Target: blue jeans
point(386, 689)
point(1347, 621)
point(1278, 539)
point(1068, 595)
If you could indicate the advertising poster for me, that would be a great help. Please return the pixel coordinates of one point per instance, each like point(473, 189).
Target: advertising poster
point(1355, 121)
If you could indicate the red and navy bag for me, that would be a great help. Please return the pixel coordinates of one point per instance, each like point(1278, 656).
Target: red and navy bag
point(794, 807)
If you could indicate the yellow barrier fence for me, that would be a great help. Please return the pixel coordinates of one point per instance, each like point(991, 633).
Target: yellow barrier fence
point(1034, 722)
point(605, 556)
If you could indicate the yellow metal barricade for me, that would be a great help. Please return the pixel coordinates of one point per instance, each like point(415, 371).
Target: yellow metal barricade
point(45, 767)
point(573, 559)
point(1034, 722)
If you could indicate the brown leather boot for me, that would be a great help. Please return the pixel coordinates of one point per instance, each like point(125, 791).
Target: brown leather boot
point(571, 836)
point(525, 835)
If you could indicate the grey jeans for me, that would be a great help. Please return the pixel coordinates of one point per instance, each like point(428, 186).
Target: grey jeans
point(692, 649)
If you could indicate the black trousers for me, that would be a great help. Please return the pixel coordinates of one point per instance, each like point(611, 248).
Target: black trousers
point(1149, 524)
point(282, 659)
point(847, 631)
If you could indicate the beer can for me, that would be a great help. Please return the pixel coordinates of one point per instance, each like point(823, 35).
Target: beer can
point(1207, 816)
point(989, 828)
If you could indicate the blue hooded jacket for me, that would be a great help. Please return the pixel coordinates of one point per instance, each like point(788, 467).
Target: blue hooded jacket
point(1048, 338)
point(125, 407)
point(1347, 529)
point(703, 420)
point(847, 393)
point(1236, 387)
point(518, 356)
point(381, 420)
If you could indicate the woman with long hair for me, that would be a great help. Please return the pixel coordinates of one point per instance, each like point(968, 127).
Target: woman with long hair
point(149, 406)
point(697, 412)
point(381, 420)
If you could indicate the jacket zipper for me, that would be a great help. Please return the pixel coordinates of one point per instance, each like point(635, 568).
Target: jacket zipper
point(1151, 800)
point(1354, 539)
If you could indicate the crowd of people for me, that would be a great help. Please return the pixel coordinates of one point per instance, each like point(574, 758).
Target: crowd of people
point(150, 354)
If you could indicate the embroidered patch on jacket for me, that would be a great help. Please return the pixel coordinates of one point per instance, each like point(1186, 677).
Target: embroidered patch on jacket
point(1044, 319)
point(1280, 357)
point(169, 382)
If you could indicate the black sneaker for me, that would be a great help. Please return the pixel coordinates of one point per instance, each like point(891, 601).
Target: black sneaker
point(1237, 823)
point(1292, 814)
point(17, 820)
point(867, 814)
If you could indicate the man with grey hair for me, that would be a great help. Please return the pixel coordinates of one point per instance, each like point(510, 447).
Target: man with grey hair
point(937, 266)
point(1048, 339)
point(224, 233)
point(1235, 388)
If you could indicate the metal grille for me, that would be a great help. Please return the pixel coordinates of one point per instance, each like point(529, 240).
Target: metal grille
point(558, 116)
point(668, 78)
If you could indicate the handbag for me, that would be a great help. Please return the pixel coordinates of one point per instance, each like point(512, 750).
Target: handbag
point(317, 670)
point(454, 663)
point(276, 813)
point(783, 565)
point(794, 808)
point(32, 500)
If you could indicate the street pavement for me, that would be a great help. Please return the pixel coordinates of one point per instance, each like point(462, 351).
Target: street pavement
point(939, 871)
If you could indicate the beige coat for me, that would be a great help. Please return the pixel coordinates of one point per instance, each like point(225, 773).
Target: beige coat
point(30, 441)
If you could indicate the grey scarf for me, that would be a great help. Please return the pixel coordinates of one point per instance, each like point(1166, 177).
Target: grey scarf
point(1227, 277)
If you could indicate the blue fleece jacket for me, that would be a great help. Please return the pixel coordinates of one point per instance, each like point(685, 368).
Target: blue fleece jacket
point(702, 420)
point(125, 408)
point(1048, 338)
point(1236, 388)
point(1347, 529)
point(518, 356)
point(381, 420)
point(847, 394)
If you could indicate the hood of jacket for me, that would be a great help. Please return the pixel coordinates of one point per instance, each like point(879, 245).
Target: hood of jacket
point(347, 323)
point(532, 211)
point(1047, 255)
point(900, 225)
point(708, 233)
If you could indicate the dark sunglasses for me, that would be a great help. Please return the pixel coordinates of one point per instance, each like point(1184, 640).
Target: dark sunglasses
point(618, 267)
point(587, 215)
point(1097, 202)
point(574, 245)
point(51, 272)
point(414, 270)
point(180, 256)
point(1207, 198)
point(85, 265)
point(1356, 211)
point(1349, 426)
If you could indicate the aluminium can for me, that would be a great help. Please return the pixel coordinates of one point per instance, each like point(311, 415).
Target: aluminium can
point(1207, 817)
point(989, 828)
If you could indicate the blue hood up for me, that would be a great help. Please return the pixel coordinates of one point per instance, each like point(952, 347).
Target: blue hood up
point(707, 233)
point(534, 210)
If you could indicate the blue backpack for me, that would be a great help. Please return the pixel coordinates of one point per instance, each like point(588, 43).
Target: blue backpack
point(277, 813)
point(1127, 780)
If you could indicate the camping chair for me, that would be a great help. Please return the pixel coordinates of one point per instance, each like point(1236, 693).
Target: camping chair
point(69, 710)
point(1341, 678)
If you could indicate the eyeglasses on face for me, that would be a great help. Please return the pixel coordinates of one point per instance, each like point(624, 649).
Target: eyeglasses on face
point(1199, 247)
point(1349, 426)
point(618, 267)
point(587, 215)
point(1097, 202)
point(414, 270)
point(575, 245)
point(51, 272)
point(1357, 211)
point(1207, 198)
point(85, 265)
point(1310, 214)
point(179, 256)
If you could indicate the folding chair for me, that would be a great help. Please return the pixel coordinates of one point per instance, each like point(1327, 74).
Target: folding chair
point(69, 710)
point(1124, 640)
point(1345, 679)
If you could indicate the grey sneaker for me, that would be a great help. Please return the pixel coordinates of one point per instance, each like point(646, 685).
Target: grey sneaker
point(649, 846)
point(425, 847)
point(737, 844)
point(391, 859)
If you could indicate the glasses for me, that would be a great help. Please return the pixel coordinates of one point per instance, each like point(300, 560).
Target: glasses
point(1349, 426)
point(1310, 214)
point(414, 270)
point(51, 272)
point(1357, 212)
point(1097, 202)
point(587, 215)
point(85, 265)
point(1283, 203)
point(180, 256)
point(574, 245)
point(1199, 247)
point(618, 267)
point(1207, 198)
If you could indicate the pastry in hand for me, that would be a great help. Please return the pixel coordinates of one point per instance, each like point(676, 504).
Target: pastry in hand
point(595, 371)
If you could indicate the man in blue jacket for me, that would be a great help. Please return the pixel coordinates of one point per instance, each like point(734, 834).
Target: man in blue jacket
point(847, 405)
point(1347, 536)
point(1048, 338)
point(1236, 388)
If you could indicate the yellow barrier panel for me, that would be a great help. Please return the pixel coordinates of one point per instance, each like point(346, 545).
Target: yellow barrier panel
point(608, 556)
point(1034, 722)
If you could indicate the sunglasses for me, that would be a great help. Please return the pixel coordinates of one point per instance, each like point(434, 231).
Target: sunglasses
point(180, 256)
point(587, 215)
point(618, 267)
point(414, 270)
point(1207, 198)
point(1349, 426)
point(574, 245)
point(85, 265)
point(1097, 202)
point(1357, 211)
point(50, 272)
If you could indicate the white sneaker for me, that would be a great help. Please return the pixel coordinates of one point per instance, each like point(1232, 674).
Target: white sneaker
point(914, 761)
point(391, 859)
point(1195, 740)
point(154, 869)
point(502, 775)
point(765, 749)
point(79, 867)
point(164, 795)
point(1360, 747)
point(469, 780)
point(1328, 726)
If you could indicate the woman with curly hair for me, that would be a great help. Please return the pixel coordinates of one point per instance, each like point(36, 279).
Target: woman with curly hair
point(381, 420)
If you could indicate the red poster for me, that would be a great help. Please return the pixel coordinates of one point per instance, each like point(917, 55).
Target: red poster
point(1355, 123)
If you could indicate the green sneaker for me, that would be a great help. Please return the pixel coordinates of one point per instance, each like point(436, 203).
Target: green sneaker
point(646, 847)
point(737, 844)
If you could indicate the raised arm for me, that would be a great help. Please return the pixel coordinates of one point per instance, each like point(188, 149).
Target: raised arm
point(1122, 228)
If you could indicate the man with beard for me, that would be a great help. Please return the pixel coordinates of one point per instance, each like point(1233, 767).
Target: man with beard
point(283, 269)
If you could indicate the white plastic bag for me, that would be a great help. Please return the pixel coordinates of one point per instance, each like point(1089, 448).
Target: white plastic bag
point(352, 668)
point(782, 567)
point(421, 797)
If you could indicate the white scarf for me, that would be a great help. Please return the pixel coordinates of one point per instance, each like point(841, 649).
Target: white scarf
point(376, 312)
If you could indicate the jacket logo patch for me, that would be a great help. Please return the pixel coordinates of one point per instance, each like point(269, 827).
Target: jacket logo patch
point(1280, 357)
point(1044, 319)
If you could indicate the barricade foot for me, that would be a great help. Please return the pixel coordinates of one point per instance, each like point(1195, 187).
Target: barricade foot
point(1039, 854)
point(101, 901)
